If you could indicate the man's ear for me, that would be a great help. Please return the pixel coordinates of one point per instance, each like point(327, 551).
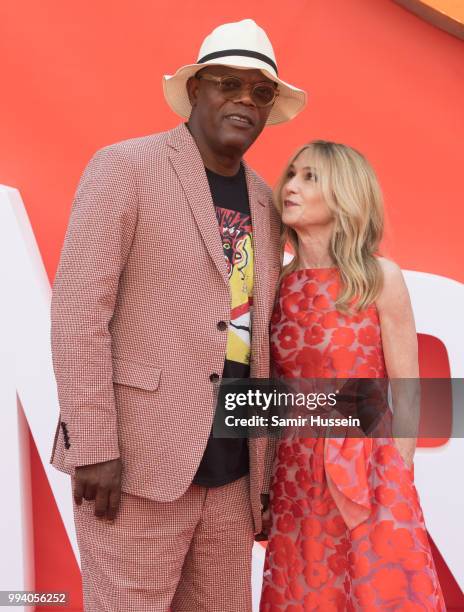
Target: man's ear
point(192, 90)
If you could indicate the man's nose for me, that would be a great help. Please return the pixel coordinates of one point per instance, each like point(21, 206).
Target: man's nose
point(244, 95)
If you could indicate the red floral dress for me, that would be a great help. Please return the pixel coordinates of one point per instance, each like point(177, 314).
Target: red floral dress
point(347, 527)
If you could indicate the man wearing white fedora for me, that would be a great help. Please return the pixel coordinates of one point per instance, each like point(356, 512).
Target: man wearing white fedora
point(165, 284)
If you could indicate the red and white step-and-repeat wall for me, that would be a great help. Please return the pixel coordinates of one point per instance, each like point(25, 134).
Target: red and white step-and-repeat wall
point(77, 76)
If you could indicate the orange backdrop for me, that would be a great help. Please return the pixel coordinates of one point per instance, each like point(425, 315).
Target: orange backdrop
point(78, 76)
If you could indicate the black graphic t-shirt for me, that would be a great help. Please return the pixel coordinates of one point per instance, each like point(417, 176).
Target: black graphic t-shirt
point(226, 460)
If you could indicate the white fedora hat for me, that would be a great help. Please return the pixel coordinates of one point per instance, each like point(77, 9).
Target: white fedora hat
point(245, 45)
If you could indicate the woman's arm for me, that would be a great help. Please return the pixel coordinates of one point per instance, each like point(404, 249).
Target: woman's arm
point(399, 340)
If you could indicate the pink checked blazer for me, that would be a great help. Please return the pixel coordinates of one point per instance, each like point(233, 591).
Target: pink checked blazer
point(141, 286)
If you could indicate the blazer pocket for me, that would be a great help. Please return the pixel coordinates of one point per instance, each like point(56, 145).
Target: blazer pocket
point(134, 374)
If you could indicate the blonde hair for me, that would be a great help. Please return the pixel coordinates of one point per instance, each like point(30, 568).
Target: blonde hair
point(350, 188)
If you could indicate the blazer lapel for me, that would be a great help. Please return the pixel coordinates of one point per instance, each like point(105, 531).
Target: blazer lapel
point(260, 221)
point(188, 165)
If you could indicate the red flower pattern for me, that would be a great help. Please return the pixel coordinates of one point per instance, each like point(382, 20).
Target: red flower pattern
point(314, 561)
point(314, 335)
point(368, 335)
point(288, 337)
point(343, 336)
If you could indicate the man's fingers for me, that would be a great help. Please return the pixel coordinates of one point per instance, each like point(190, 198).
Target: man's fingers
point(78, 492)
point(266, 519)
point(113, 503)
point(264, 502)
point(99, 482)
point(90, 491)
point(266, 526)
point(101, 502)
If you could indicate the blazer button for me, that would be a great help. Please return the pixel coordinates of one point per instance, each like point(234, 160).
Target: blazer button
point(222, 326)
point(214, 377)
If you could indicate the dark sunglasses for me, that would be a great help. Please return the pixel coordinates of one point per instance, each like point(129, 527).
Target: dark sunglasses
point(232, 87)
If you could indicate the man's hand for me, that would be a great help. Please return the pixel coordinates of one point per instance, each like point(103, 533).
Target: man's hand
point(101, 482)
point(266, 519)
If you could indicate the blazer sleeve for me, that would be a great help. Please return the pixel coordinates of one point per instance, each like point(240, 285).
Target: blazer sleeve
point(268, 463)
point(95, 250)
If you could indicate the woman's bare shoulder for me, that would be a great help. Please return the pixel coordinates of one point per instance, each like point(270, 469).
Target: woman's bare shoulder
point(393, 287)
point(390, 268)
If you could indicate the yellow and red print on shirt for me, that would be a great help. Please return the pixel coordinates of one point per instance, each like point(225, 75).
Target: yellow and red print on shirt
point(236, 234)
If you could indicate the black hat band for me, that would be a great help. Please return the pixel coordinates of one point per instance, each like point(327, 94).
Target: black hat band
point(241, 52)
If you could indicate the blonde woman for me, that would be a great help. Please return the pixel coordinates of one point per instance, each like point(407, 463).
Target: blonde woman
point(346, 530)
